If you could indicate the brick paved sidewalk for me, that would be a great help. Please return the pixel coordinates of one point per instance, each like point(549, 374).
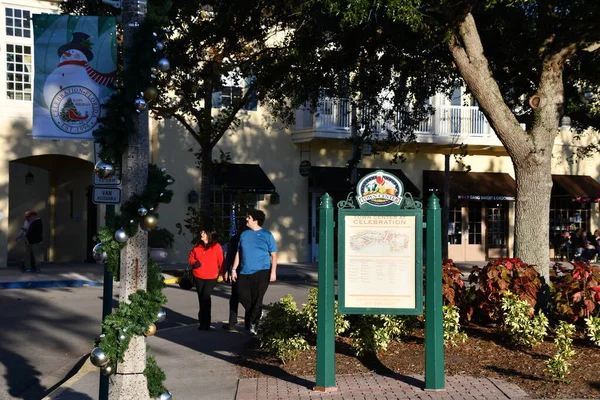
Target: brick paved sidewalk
point(377, 387)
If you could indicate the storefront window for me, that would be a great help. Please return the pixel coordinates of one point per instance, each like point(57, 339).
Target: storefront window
point(455, 226)
point(496, 226)
point(228, 206)
point(568, 215)
point(475, 223)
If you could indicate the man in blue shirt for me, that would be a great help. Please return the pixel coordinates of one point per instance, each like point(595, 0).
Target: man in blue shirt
point(254, 267)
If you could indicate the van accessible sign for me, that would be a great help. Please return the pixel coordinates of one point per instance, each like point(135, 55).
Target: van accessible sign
point(106, 195)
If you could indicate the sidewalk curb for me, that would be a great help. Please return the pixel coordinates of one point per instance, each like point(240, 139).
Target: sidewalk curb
point(85, 368)
point(47, 284)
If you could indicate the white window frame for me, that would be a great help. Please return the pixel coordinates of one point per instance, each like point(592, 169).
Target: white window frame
point(20, 20)
point(19, 87)
point(10, 107)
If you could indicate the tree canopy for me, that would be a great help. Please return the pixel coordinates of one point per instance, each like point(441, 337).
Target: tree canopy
point(525, 62)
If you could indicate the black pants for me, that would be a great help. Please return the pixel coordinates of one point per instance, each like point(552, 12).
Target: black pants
point(204, 288)
point(251, 290)
point(234, 302)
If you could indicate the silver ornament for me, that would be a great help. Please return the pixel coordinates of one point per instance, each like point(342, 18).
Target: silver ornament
point(159, 46)
point(131, 221)
point(107, 370)
point(98, 358)
point(165, 396)
point(151, 208)
point(121, 236)
point(140, 104)
point(142, 211)
point(154, 70)
point(121, 337)
point(162, 194)
point(99, 254)
point(163, 170)
point(169, 181)
point(104, 170)
point(161, 316)
point(163, 64)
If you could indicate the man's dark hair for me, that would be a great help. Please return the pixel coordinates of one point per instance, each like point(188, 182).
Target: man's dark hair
point(258, 216)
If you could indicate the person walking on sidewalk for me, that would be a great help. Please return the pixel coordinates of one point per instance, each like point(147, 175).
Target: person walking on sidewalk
point(256, 259)
point(234, 300)
point(206, 259)
point(32, 231)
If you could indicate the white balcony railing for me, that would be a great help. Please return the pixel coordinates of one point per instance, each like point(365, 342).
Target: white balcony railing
point(333, 119)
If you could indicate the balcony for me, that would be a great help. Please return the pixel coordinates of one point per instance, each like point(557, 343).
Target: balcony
point(447, 125)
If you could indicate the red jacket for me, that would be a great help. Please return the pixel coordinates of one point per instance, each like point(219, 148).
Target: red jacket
point(211, 261)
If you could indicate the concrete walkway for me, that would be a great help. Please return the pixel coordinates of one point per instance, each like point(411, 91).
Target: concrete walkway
point(203, 364)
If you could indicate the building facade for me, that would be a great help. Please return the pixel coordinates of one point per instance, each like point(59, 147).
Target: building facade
point(281, 170)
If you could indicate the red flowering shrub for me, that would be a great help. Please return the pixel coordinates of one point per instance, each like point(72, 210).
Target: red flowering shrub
point(575, 291)
point(453, 287)
point(489, 283)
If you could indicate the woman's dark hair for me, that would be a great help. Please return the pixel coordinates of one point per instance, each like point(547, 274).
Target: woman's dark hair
point(213, 238)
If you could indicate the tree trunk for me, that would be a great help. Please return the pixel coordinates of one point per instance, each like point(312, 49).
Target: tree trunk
point(530, 150)
point(206, 174)
point(532, 210)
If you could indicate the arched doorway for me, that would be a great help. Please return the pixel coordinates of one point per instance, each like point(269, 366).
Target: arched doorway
point(56, 187)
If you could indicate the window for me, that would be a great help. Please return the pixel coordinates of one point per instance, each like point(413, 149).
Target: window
point(455, 226)
point(568, 215)
point(18, 23)
point(228, 206)
point(496, 226)
point(233, 91)
point(229, 94)
point(18, 72)
point(475, 223)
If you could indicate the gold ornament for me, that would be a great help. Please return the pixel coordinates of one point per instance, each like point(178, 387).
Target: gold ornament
point(151, 93)
point(150, 221)
point(151, 330)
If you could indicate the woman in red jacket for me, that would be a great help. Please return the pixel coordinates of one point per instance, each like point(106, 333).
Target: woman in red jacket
point(206, 258)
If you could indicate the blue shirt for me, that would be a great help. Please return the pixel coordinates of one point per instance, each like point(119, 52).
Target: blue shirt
point(255, 250)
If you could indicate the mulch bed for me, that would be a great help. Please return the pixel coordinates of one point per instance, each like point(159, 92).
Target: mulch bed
point(484, 354)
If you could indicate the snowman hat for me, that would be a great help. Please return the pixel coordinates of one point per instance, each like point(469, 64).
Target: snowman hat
point(79, 42)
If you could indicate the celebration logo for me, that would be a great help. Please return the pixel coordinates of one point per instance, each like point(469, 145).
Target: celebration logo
point(75, 110)
point(379, 189)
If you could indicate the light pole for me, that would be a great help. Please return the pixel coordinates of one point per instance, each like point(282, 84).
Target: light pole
point(129, 382)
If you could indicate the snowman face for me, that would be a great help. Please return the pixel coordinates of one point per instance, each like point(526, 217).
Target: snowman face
point(74, 55)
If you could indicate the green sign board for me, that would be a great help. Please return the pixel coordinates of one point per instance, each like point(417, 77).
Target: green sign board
point(380, 258)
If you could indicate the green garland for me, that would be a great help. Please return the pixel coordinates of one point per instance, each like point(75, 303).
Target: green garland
point(135, 317)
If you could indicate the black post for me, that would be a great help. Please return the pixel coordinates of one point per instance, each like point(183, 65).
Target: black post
point(353, 162)
point(446, 207)
point(107, 295)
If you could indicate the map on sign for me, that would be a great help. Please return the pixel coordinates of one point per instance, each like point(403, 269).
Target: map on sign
point(379, 262)
point(376, 242)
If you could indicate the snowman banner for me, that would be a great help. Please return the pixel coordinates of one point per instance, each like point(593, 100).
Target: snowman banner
point(75, 67)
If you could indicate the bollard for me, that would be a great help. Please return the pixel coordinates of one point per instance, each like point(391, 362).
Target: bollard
point(434, 330)
point(325, 380)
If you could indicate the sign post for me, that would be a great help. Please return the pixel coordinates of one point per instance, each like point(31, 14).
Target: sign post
point(434, 317)
point(380, 268)
point(325, 381)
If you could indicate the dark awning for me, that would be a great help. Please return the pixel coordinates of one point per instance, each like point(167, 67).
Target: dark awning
point(473, 185)
point(575, 185)
point(241, 177)
point(336, 178)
